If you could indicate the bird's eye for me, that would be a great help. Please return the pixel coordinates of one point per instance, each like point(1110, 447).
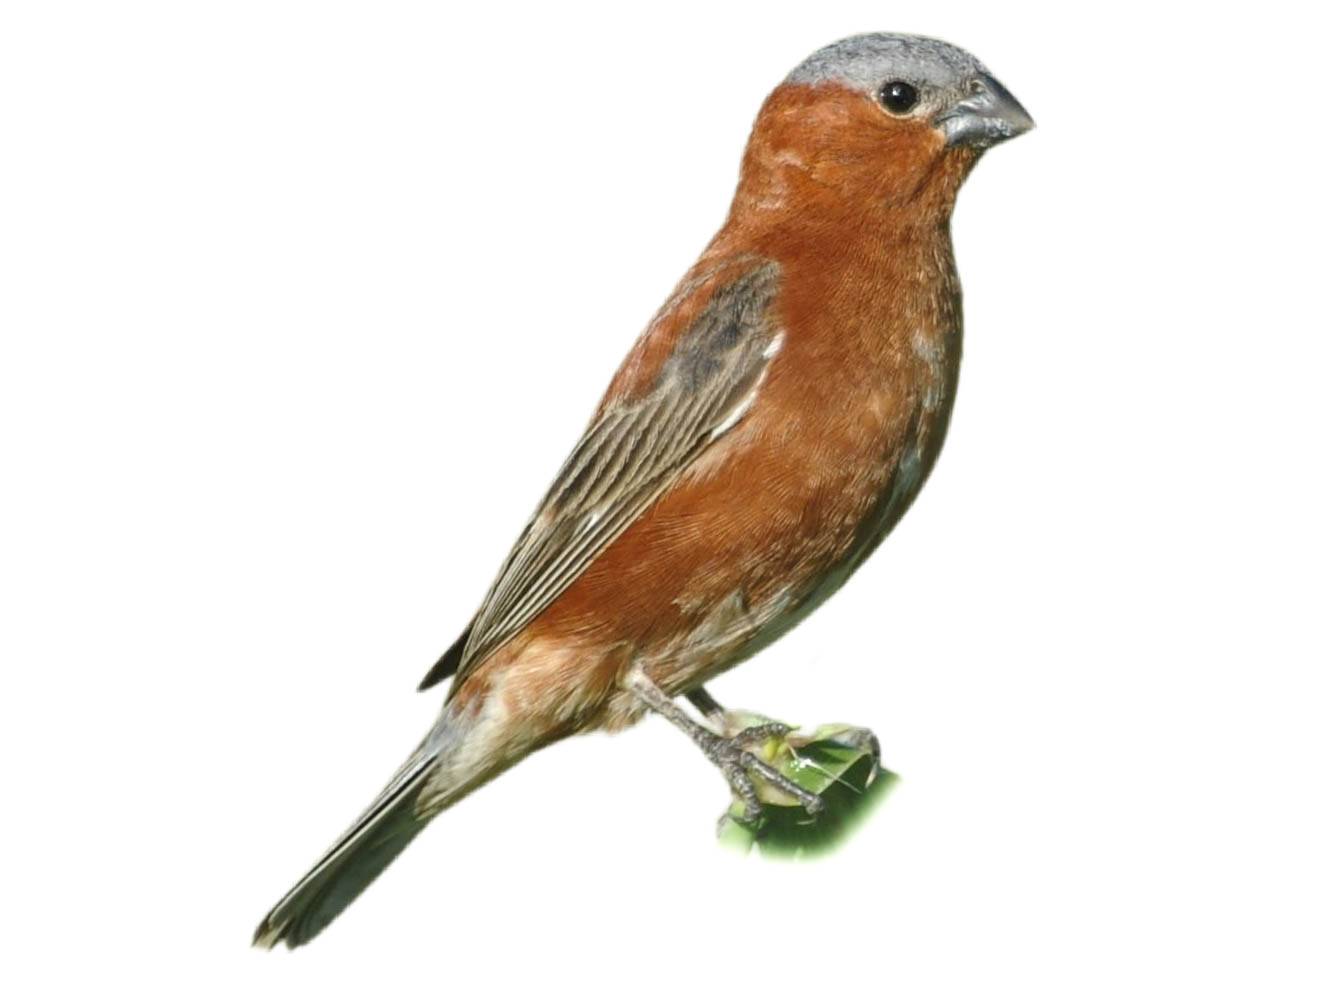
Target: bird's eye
point(898, 97)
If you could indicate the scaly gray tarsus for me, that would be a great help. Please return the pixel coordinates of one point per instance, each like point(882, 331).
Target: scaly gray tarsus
point(728, 753)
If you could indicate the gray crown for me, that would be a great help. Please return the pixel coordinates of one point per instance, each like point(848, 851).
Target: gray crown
point(866, 61)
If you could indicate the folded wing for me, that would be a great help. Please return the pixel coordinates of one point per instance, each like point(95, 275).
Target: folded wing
point(632, 450)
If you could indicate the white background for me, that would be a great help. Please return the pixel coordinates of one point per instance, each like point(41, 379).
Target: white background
point(303, 304)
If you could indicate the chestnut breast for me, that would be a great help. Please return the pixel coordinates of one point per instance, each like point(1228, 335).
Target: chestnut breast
point(773, 517)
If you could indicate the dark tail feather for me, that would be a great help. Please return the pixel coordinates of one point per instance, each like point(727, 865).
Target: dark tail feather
point(384, 830)
point(448, 663)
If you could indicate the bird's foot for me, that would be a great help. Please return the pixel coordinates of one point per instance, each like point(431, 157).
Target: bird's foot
point(742, 758)
point(782, 779)
point(740, 754)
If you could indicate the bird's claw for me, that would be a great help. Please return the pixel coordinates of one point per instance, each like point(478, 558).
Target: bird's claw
point(738, 764)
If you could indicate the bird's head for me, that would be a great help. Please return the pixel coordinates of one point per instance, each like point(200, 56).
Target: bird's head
point(892, 118)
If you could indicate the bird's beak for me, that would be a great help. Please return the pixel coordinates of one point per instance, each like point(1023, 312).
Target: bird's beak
point(988, 116)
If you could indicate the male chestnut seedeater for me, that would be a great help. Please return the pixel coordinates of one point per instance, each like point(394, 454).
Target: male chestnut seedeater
point(769, 428)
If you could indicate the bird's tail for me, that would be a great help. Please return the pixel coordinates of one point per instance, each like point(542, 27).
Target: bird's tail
point(365, 849)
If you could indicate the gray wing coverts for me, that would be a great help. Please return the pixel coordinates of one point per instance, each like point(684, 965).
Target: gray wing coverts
point(630, 453)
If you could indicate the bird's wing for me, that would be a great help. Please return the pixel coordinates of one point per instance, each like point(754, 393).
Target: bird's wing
point(633, 449)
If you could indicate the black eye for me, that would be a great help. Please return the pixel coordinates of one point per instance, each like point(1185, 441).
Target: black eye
point(898, 97)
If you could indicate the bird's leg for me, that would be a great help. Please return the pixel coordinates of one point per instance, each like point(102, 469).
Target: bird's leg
point(707, 706)
point(729, 754)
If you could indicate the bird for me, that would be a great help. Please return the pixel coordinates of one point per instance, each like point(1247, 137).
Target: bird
point(770, 426)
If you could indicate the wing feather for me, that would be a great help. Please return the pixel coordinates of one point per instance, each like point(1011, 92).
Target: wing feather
point(629, 454)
